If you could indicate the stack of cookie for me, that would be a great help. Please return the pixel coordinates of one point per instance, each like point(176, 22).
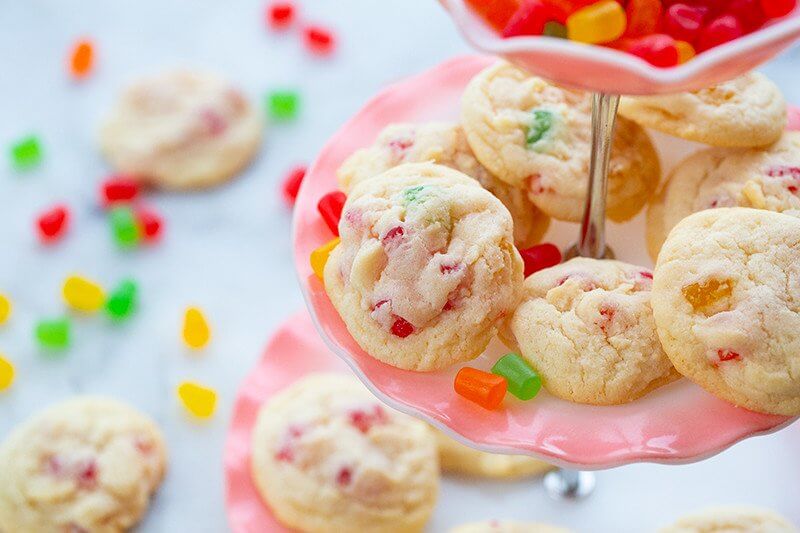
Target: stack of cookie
point(428, 272)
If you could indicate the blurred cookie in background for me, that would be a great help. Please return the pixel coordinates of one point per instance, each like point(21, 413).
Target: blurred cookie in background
point(456, 458)
point(89, 464)
point(732, 519)
point(181, 130)
point(328, 456)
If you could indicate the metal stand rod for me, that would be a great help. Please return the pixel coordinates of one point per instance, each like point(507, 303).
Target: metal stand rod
point(565, 483)
point(592, 237)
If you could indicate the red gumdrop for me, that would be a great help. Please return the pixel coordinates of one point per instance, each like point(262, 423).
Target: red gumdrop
point(657, 49)
point(344, 477)
point(728, 355)
point(53, 223)
point(330, 207)
point(291, 183)
point(402, 328)
point(777, 8)
point(280, 15)
point(496, 12)
point(319, 40)
point(396, 231)
point(539, 257)
point(118, 188)
point(150, 223)
point(529, 19)
point(643, 17)
point(748, 12)
point(560, 10)
point(684, 22)
point(715, 7)
point(719, 31)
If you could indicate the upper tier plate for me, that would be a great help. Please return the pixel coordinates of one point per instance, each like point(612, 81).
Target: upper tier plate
point(676, 424)
point(602, 69)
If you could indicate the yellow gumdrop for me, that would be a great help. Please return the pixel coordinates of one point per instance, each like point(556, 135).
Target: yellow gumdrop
point(601, 22)
point(6, 373)
point(197, 399)
point(196, 332)
point(685, 51)
point(83, 294)
point(5, 308)
point(320, 256)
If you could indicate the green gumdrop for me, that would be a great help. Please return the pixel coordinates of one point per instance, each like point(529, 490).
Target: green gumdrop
point(124, 227)
point(541, 123)
point(122, 300)
point(523, 381)
point(53, 333)
point(412, 194)
point(554, 29)
point(26, 153)
point(283, 105)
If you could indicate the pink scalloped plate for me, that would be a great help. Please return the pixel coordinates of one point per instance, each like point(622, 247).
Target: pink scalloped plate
point(294, 351)
point(602, 69)
point(676, 424)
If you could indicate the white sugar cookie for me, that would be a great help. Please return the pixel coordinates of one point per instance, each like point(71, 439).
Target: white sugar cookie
point(446, 144)
point(587, 327)
point(328, 457)
point(726, 300)
point(535, 135)
point(181, 130)
point(426, 267)
point(89, 464)
point(743, 112)
point(762, 178)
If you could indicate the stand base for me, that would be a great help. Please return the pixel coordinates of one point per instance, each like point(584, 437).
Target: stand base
point(564, 484)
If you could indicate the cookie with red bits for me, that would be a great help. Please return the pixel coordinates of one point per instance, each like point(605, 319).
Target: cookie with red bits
point(327, 456)
point(85, 464)
point(426, 268)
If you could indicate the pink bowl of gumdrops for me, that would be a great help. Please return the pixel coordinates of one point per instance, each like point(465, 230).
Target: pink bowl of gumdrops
point(630, 46)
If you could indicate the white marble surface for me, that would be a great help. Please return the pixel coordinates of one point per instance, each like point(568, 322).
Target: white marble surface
point(228, 250)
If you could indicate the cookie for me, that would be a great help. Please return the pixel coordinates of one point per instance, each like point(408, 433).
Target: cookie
point(726, 300)
point(767, 178)
point(498, 526)
point(738, 519)
point(535, 135)
point(181, 130)
point(327, 456)
point(457, 458)
point(445, 144)
point(86, 464)
point(426, 267)
point(744, 112)
point(587, 327)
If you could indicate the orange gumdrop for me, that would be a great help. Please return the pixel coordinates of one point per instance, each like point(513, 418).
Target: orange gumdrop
point(81, 59)
point(483, 388)
point(704, 294)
